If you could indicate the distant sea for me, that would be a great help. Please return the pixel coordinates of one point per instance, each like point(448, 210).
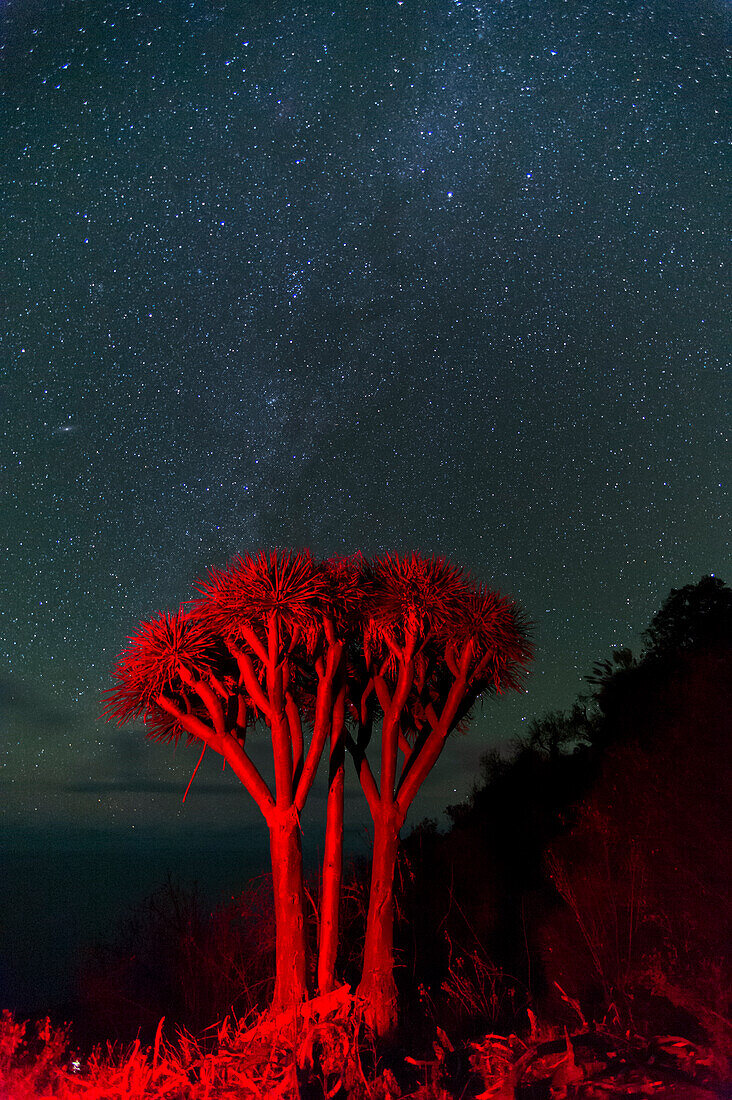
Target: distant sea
point(62, 893)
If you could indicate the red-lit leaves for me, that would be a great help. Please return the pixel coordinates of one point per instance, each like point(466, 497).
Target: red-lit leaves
point(151, 665)
point(345, 578)
point(457, 629)
point(411, 596)
point(500, 641)
point(245, 593)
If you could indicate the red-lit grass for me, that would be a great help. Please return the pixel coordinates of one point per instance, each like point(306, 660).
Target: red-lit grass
point(317, 1052)
point(267, 1061)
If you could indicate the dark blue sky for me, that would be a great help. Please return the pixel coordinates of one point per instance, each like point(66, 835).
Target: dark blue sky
point(445, 277)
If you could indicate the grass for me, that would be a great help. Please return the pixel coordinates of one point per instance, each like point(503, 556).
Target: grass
point(320, 1051)
point(268, 1060)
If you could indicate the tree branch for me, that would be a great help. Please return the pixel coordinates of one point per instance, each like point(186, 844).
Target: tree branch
point(218, 686)
point(255, 644)
point(412, 756)
point(189, 722)
point(241, 716)
point(273, 642)
point(432, 718)
point(424, 761)
point(321, 726)
point(248, 774)
point(365, 776)
point(395, 649)
point(190, 781)
point(296, 738)
point(282, 752)
point(450, 658)
point(227, 746)
point(390, 725)
point(208, 697)
point(250, 681)
point(382, 693)
point(363, 715)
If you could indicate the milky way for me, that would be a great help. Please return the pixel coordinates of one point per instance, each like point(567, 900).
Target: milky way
point(445, 277)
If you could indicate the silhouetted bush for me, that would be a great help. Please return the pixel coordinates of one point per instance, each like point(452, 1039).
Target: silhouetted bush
point(173, 958)
point(597, 858)
point(646, 868)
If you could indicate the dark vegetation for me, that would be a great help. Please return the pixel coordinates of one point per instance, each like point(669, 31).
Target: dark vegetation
point(603, 844)
point(567, 935)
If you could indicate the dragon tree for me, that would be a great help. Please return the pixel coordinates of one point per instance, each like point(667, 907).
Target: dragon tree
point(333, 650)
point(259, 645)
point(432, 643)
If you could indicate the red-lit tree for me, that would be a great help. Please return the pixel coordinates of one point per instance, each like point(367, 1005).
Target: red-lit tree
point(260, 644)
point(280, 640)
point(432, 643)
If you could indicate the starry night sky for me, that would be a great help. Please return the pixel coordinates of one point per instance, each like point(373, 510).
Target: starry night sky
point(441, 276)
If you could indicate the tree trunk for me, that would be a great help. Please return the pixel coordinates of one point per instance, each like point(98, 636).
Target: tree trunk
point(377, 991)
point(331, 893)
point(332, 856)
point(291, 977)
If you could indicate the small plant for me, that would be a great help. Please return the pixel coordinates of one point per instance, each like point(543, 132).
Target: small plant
point(31, 1061)
point(476, 990)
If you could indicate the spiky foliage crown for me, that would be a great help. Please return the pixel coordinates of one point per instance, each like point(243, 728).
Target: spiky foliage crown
point(345, 578)
point(150, 664)
point(447, 609)
point(249, 589)
point(500, 633)
point(412, 593)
